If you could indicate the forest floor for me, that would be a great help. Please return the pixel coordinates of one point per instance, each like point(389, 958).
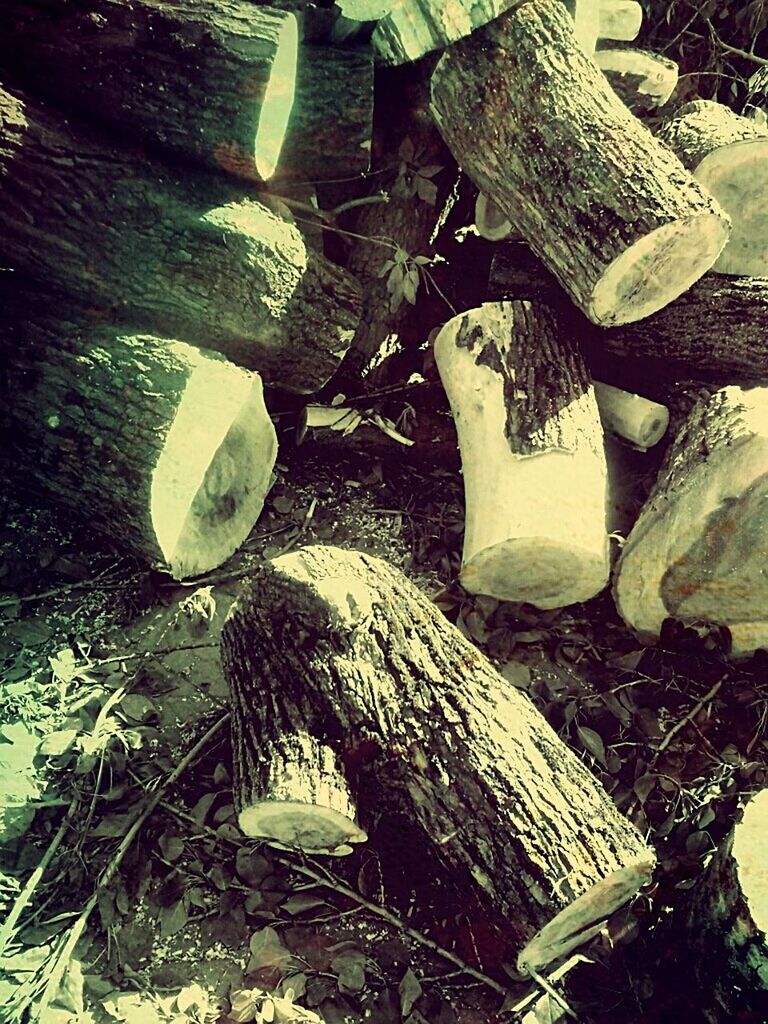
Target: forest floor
point(110, 677)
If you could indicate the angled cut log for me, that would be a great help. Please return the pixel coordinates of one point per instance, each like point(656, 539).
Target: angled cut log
point(414, 28)
point(341, 646)
point(166, 449)
point(728, 154)
point(609, 210)
point(491, 221)
point(635, 419)
point(619, 19)
point(208, 79)
point(171, 255)
point(329, 132)
point(725, 919)
point(643, 80)
point(531, 453)
point(698, 549)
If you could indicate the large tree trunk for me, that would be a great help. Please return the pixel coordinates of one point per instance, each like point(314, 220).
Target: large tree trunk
point(169, 254)
point(413, 29)
point(341, 647)
point(608, 209)
point(725, 919)
point(210, 79)
point(329, 132)
point(717, 330)
point(532, 456)
point(728, 154)
point(166, 449)
point(698, 550)
point(643, 80)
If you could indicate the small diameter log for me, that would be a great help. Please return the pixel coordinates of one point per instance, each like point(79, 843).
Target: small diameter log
point(175, 255)
point(644, 81)
point(343, 647)
point(609, 209)
point(414, 28)
point(728, 154)
point(699, 546)
point(491, 221)
point(208, 79)
point(329, 132)
point(635, 419)
point(166, 449)
point(619, 19)
point(532, 456)
point(725, 919)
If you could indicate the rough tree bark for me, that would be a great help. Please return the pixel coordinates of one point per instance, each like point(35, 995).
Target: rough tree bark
point(342, 647)
point(717, 330)
point(210, 79)
point(644, 81)
point(413, 29)
point(166, 449)
point(699, 546)
point(609, 209)
point(329, 132)
point(167, 251)
point(532, 456)
point(728, 154)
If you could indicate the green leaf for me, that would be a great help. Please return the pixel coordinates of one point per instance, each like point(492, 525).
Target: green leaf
point(114, 826)
point(429, 171)
point(349, 967)
point(410, 990)
point(171, 846)
point(426, 190)
point(173, 919)
point(300, 904)
point(406, 150)
point(200, 811)
point(59, 742)
point(267, 951)
point(252, 867)
point(592, 742)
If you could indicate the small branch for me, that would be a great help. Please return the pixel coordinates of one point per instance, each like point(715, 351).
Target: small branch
point(21, 901)
point(734, 49)
point(678, 726)
point(67, 949)
point(159, 652)
point(352, 204)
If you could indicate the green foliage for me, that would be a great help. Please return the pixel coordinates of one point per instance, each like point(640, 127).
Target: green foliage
point(403, 275)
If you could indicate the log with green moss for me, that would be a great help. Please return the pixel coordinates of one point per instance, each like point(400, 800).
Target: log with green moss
point(176, 253)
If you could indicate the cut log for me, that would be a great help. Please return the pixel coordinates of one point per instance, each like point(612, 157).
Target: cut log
point(643, 80)
point(166, 449)
point(716, 331)
point(698, 549)
point(343, 647)
point(728, 154)
point(608, 209)
point(491, 222)
point(170, 255)
point(532, 456)
point(635, 419)
point(414, 28)
point(725, 919)
point(208, 79)
point(619, 19)
point(329, 132)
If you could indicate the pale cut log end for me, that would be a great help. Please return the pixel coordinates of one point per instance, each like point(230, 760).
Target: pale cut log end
point(643, 80)
point(620, 19)
point(750, 852)
point(586, 916)
point(212, 477)
point(491, 221)
point(737, 176)
point(564, 574)
point(305, 801)
point(654, 271)
point(637, 420)
point(277, 102)
point(698, 550)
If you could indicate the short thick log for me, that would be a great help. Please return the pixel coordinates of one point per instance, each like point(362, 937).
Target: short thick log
point(635, 419)
point(208, 79)
point(699, 546)
point(532, 456)
point(728, 154)
point(724, 921)
point(174, 255)
point(643, 80)
point(329, 132)
point(491, 221)
point(619, 19)
point(166, 449)
point(414, 28)
point(717, 330)
point(609, 210)
point(341, 646)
